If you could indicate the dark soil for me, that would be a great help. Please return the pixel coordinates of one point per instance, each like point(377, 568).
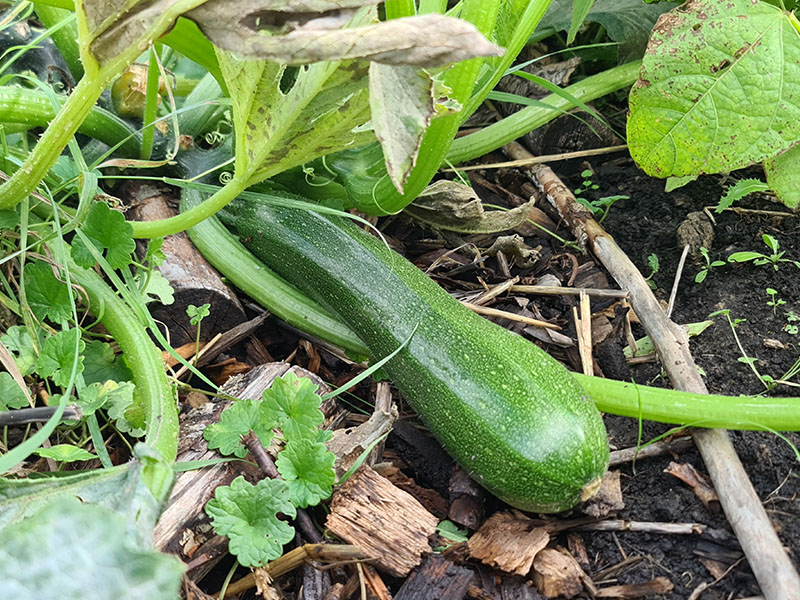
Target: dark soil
point(647, 224)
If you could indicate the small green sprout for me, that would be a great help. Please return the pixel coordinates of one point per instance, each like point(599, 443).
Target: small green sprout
point(774, 301)
point(775, 258)
point(701, 276)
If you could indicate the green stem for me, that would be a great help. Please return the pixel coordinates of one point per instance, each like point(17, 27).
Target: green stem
point(143, 359)
point(221, 248)
point(193, 216)
point(396, 9)
point(55, 138)
point(529, 118)
point(35, 109)
point(65, 38)
point(150, 106)
point(699, 410)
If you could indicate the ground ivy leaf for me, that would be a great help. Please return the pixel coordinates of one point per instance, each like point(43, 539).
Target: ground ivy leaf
point(719, 89)
point(158, 288)
point(101, 364)
point(154, 254)
point(102, 561)
point(9, 219)
point(11, 395)
point(292, 402)
point(18, 339)
point(65, 453)
point(307, 468)
point(236, 421)
point(108, 230)
point(248, 515)
point(47, 296)
point(58, 356)
point(118, 399)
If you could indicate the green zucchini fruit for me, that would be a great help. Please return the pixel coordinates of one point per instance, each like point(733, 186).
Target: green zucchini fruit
point(511, 415)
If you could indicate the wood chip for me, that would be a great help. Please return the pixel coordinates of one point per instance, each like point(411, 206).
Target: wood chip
point(430, 499)
point(370, 512)
point(694, 479)
point(557, 574)
point(508, 542)
point(436, 578)
point(659, 585)
point(608, 498)
point(578, 549)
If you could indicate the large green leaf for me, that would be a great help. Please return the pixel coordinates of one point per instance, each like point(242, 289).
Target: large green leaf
point(71, 550)
point(719, 89)
point(783, 176)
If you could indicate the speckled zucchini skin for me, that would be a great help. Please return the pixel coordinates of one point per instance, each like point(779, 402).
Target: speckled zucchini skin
point(512, 416)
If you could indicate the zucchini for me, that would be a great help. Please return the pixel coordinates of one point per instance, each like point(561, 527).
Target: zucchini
point(511, 415)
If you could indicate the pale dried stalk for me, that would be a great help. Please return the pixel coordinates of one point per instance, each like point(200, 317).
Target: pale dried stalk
point(770, 564)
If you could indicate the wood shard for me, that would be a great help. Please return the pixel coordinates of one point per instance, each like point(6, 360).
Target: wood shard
point(659, 585)
point(694, 479)
point(608, 498)
point(370, 512)
point(557, 574)
point(508, 542)
point(436, 578)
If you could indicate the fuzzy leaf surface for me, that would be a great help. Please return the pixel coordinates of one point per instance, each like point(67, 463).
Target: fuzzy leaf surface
point(103, 563)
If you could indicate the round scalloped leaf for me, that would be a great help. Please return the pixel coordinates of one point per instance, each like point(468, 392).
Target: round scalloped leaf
point(719, 89)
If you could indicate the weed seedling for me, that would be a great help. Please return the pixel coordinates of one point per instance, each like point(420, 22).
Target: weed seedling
point(774, 301)
point(701, 276)
point(764, 259)
point(652, 262)
point(599, 207)
point(196, 315)
point(791, 326)
point(768, 382)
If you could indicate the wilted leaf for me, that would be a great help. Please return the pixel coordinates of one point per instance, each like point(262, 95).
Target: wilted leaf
point(112, 30)
point(402, 103)
point(294, 36)
point(453, 206)
point(719, 89)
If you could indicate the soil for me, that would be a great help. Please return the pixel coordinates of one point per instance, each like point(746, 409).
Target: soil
point(646, 224)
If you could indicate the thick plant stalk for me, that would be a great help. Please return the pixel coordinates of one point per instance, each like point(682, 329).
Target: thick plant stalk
point(771, 565)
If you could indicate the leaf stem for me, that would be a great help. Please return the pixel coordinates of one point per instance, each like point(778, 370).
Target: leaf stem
point(529, 118)
point(55, 138)
point(143, 358)
point(193, 216)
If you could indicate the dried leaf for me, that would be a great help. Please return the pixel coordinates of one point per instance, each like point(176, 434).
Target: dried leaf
point(454, 206)
point(302, 34)
point(694, 479)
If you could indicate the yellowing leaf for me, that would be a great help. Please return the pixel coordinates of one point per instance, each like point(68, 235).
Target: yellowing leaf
point(719, 89)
